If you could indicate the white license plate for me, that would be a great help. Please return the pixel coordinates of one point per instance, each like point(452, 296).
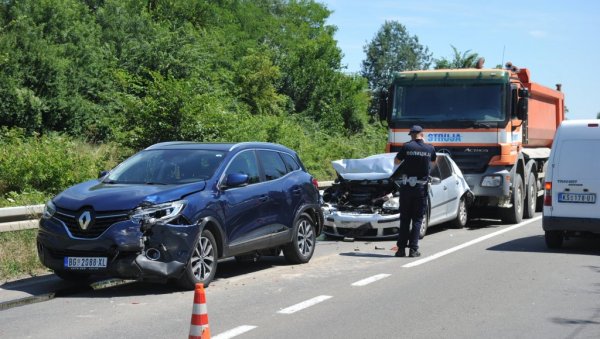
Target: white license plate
point(586, 198)
point(85, 262)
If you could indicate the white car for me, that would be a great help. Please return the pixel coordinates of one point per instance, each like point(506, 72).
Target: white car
point(364, 201)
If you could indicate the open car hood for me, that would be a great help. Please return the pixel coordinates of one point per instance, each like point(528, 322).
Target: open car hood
point(374, 167)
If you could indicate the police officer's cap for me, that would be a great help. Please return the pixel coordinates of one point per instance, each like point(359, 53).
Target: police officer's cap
point(415, 129)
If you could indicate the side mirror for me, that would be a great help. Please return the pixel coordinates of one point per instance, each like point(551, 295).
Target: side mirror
point(383, 104)
point(102, 174)
point(435, 180)
point(523, 104)
point(236, 180)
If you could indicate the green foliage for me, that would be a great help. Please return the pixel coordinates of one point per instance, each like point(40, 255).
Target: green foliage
point(598, 115)
point(392, 50)
point(48, 163)
point(18, 255)
point(460, 60)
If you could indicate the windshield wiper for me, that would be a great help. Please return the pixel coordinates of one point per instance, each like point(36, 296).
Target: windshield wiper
point(153, 183)
point(474, 124)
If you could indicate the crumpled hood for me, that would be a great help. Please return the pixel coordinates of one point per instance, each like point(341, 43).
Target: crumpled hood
point(374, 167)
point(120, 197)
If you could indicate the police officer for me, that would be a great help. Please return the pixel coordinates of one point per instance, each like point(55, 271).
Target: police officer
point(417, 157)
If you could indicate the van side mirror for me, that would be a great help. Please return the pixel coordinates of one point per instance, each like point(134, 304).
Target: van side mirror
point(523, 104)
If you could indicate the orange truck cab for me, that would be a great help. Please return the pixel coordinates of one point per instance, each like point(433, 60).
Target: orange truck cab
point(496, 124)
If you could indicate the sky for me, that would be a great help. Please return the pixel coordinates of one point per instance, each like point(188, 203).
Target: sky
point(557, 40)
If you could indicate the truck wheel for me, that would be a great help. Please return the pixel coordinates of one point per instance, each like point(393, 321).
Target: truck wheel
point(202, 266)
point(461, 215)
point(302, 247)
point(554, 239)
point(514, 214)
point(530, 198)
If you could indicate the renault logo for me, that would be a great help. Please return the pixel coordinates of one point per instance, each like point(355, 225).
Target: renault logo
point(84, 220)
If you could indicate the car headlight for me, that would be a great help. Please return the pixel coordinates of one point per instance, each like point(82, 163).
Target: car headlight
point(49, 210)
point(491, 181)
point(158, 213)
point(392, 204)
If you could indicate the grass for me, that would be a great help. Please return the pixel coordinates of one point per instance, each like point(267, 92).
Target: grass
point(18, 255)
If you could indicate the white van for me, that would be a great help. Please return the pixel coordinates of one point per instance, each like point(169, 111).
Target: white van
point(571, 204)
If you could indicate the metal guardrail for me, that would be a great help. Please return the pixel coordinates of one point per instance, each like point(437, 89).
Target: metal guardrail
point(27, 217)
point(20, 218)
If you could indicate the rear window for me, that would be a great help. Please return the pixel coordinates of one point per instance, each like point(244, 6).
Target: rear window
point(578, 159)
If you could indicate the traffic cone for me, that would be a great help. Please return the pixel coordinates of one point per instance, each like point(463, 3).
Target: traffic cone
point(199, 326)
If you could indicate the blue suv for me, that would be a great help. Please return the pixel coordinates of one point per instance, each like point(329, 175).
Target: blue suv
point(172, 210)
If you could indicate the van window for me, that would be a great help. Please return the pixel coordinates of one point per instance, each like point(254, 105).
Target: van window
point(577, 159)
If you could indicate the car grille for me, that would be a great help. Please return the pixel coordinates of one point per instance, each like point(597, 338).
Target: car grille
point(100, 222)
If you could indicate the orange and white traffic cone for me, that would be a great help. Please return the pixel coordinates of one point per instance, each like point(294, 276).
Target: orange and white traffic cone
point(199, 327)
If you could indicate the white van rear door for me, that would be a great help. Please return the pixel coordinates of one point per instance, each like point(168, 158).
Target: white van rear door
point(576, 179)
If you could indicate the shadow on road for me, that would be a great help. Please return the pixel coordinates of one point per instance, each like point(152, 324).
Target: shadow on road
point(537, 244)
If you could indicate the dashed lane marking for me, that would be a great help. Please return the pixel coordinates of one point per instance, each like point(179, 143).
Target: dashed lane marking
point(234, 332)
point(371, 279)
point(304, 304)
point(467, 244)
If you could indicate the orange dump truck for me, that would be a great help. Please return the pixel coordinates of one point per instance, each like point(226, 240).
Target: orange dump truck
point(496, 124)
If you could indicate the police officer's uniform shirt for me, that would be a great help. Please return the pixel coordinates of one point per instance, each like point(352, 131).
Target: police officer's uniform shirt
point(417, 156)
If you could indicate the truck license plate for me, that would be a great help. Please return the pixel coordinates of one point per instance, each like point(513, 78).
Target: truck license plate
point(586, 198)
point(85, 262)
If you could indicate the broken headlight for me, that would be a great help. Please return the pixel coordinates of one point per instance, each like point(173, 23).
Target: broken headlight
point(392, 204)
point(161, 213)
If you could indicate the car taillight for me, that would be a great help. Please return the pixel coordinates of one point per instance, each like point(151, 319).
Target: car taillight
point(548, 194)
point(315, 183)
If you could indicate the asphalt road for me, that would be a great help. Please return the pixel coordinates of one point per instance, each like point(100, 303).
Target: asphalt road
point(485, 281)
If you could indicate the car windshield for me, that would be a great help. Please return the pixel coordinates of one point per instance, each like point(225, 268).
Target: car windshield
point(464, 103)
point(166, 167)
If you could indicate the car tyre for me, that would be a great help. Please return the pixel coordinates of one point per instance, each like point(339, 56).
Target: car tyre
point(514, 214)
point(202, 265)
point(302, 246)
point(530, 198)
point(76, 277)
point(554, 239)
point(462, 215)
point(424, 224)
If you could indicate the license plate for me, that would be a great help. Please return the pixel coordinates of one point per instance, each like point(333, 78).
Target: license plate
point(85, 262)
point(586, 198)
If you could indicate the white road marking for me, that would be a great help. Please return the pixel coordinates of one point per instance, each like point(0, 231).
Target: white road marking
point(304, 304)
point(371, 279)
point(467, 244)
point(234, 332)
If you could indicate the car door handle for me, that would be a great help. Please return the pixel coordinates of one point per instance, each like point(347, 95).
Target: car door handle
point(445, 188)
point(263, 198)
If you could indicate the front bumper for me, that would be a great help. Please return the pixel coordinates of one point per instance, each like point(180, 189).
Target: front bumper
point(122, 245)
point(361, 225)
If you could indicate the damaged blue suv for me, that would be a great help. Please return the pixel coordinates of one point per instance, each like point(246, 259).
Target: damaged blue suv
point(171, 211)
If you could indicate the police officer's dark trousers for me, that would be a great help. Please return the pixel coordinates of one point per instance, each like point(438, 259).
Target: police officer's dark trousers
point(413, 204)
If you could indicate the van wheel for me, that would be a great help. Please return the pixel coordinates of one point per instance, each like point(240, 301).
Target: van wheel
point(514, 214)
point(530, 198)
point(302, 246)
point(202, 265)
point(554, 239)
point(461, 215)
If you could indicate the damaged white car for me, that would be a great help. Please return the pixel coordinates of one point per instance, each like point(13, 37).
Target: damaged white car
point(364, 201)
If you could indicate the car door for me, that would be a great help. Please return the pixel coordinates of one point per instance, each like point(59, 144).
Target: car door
point(450, 184)
point(244, 208)
point(438, 193)
point(276, 210)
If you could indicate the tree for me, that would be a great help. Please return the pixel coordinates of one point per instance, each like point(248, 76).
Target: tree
point(392, 50)
point(461, 60)
point(598, 115)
